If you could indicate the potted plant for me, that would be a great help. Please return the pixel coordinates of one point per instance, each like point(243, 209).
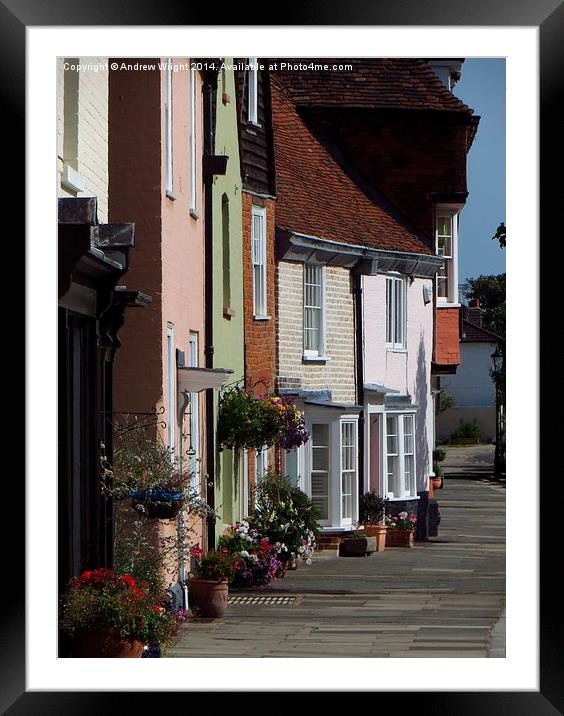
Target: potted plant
point(257, 560)
point(401, 528)
point(287, 517)
point(439, 455)
point(108, 615)
point(353, 546)
point(372, 509)
point(208, 586)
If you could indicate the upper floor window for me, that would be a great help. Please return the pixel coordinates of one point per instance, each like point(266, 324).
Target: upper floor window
point(168, 126)
point(446, 240)
point(395, 312)
point(314, 307)
point(192, 109)
point(252, 98)
point(258, 242)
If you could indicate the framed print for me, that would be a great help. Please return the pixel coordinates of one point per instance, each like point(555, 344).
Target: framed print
point(38, 678)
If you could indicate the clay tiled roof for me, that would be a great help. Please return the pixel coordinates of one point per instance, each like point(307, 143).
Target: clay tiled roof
point(317, 198)
point(472, 333)
point(391, 83)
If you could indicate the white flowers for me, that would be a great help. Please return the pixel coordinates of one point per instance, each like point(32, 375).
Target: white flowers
point(402, 515)
point(244, 553)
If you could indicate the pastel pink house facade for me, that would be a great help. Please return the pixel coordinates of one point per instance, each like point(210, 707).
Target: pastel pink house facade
point(398, 402)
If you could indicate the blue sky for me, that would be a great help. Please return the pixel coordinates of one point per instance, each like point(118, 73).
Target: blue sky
point(482, 87)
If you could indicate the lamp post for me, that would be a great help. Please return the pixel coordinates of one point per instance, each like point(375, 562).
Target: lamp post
point(497, 361)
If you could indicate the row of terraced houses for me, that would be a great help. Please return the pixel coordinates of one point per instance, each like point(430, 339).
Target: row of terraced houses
point(225, 220)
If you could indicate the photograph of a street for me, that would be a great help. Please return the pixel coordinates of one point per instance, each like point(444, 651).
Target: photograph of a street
point(281, 357)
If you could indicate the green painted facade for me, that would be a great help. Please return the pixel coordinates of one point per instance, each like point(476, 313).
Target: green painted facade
point(228, 327)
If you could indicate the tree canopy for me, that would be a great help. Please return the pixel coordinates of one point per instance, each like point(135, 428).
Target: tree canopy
point(490, 290)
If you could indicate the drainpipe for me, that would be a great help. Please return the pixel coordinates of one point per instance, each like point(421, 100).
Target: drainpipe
point(209, 86)
point(357, 293)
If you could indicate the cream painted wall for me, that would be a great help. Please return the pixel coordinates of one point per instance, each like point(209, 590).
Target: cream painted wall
point(82, 129)
point(338, 373)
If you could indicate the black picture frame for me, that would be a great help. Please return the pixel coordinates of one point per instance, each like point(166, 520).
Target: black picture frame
point(548, 16)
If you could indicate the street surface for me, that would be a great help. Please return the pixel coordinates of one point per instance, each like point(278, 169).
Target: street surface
point(443, 598)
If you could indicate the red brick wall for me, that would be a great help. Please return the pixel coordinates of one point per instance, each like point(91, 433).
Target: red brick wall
point(260, 336)
point(409, 155)
point(135, 195)
point(447, 346)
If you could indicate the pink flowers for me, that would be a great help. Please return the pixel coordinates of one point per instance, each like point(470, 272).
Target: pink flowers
point(196, 552)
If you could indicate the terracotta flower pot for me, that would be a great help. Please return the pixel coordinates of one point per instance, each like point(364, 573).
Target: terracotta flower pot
point(379, 533)
point(208, 598)
point(98, 644)
point(399, 538)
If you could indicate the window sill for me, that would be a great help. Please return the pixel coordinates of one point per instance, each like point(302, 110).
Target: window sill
point(170, 195)
point(447, 304)
point(403, 499)
point(253, 125)
point(228, 312)
point(262, 318)
point(315, 359)
point(396, 350)
point(194, 214)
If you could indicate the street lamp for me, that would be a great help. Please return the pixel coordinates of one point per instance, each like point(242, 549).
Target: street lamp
point(497, 361)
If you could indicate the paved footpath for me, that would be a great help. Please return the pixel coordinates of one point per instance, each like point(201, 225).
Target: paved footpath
point(443, 598)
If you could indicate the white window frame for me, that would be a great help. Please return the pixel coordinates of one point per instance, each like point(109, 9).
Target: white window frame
point(401, 490)
point(328, 425)
point(168, 129)
point(259, 262)
point(192, 137)
point(252, 96)
point(317, 280)
point(348, 468)
point(396, 316)
point(194, 459)
point(171, 388)
point(261, 464)
point(450, 212)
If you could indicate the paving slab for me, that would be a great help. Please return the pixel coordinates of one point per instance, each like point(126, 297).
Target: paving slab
point(443, 598)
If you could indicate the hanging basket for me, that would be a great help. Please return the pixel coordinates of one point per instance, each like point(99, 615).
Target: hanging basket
point(158, 504)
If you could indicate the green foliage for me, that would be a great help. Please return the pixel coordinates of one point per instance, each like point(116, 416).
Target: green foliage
point(371, 508)
point(500, 235)
point(244, 421)
point(446, 400)
point(437, 469)
point(439, 455)
point(285, 515)
point(216, 565)
point(467, 429)
point(102, 601)
point(490, 290)
point(140, 462)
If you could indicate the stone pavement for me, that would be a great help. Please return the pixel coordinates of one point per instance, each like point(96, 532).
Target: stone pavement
point(469, 461)
point(443, 598)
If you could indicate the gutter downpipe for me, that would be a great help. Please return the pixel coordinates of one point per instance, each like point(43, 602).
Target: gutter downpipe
point(357, 292)
point(209, 86)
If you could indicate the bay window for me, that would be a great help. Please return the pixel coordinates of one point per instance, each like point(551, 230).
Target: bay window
point(320, 451)
point(400, 455)
point(348, 469)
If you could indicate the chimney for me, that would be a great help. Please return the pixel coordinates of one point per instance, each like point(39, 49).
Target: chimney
point(474, 312)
